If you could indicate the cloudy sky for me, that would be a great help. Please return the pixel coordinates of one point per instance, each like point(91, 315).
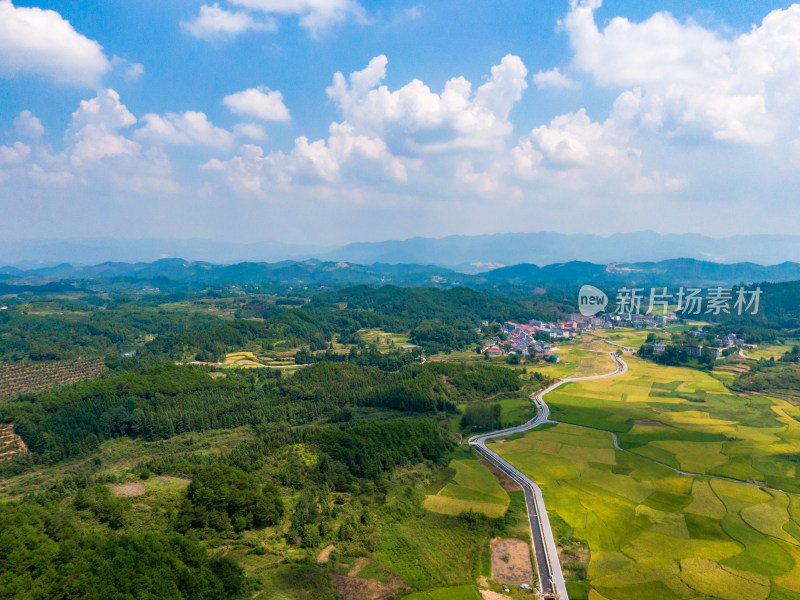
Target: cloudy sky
point(329, 121)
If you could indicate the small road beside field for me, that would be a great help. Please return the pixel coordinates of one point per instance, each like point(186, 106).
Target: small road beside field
point(551, 579)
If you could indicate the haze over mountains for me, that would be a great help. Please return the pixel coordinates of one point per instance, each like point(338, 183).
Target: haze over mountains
point(312, 272)
point(468, 254)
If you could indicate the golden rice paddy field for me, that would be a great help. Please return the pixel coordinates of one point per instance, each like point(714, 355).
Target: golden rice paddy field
point(725, 532)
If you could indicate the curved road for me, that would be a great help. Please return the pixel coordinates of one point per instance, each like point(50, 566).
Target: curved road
point(551, 579)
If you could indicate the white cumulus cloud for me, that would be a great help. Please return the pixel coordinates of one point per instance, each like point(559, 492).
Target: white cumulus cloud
point(314, 15)
point(415, 119)
point(574, 152)
point(692, 79)
point(14, 154)
point(27, 125)
point(254, 131)
point(94, 129)
point(42, 42)
point(553, 79)
point(187, 129)
point(214, 23)
point(131, 71)
point(261, 103)
point(250, 171)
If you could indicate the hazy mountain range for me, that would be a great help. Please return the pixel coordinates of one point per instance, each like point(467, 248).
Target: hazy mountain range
point(317, 273)
point(469, 254)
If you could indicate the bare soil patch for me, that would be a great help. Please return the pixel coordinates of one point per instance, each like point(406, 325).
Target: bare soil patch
point(129, 490)
point(505, 481)
point(649, 423)
point(325, 555)
point(353, 588)
point(511, 562)
point(490, 595)
point(358, 564)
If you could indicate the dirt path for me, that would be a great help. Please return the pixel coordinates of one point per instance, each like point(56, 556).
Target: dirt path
point(490, 595)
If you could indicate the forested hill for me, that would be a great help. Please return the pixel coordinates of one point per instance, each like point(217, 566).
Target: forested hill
point(331, 435)
point(178, 274)
point(161, 402)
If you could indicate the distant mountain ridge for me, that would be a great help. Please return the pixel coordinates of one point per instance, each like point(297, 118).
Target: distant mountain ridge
point(470, 254)
point(545, 248)
point(313, 272)
point(676, 270)
point(284, 272)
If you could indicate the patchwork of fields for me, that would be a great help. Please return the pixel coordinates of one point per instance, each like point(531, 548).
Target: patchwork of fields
point(653, 532)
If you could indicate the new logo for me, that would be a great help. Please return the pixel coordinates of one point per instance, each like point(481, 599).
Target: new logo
point(591, 300)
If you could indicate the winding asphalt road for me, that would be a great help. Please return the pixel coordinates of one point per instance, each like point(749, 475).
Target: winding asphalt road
point(551, 579)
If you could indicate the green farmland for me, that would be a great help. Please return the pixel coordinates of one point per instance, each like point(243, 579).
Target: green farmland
point(473, 487)
point(464, 592)
point(653, 533)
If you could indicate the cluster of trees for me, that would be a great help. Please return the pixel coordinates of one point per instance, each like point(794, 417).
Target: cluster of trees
point(363, 356)
point(481, 416)
point(781, 376)
point(778, 315)
point(227, 499)
point(46, 552)
point(65, 330)
point(471, 381)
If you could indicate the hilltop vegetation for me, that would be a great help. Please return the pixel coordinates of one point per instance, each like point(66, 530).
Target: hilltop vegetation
point(336, 452)
point(305, 425)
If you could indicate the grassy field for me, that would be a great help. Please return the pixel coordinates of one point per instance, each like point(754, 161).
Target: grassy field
point(463, 592)
point(383, 339)
point(517, 409)
point(652, 532)
point(473, 487)
point(624, 336)
point(767, 351)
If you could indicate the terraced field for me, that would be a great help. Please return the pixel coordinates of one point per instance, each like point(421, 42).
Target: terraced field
point(722, 529)
point(10, 443)
point(383, 339)
point(473, 487)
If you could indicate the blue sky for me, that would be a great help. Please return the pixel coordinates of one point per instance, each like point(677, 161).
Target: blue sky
point(329, 121)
